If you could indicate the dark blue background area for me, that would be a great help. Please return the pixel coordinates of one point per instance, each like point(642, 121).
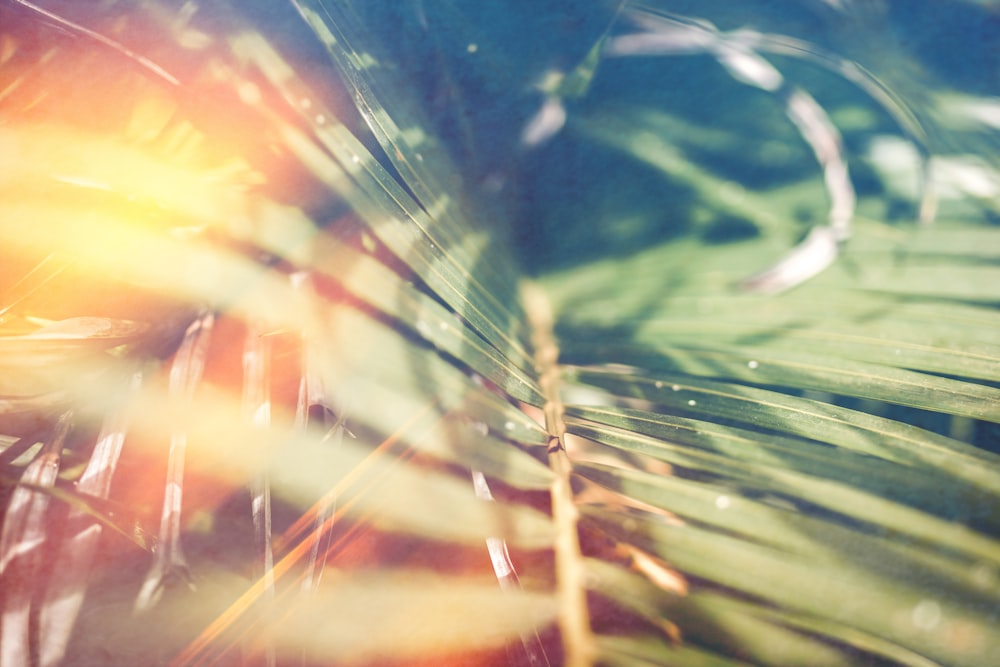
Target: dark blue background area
point(491, 93)
point(479, 102)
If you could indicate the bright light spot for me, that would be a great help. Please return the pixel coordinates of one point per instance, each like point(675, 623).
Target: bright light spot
point(262, 415)
point(658, 384)
point(927, 615)
point(722, 502)
point(692, 402)
point(748, 67)
point(83, 183)
point(545, 124)
point(249, 93)
point(355, 159)
point(676, 387)
point(472, 48)
point(368, 242)
point(509, 426)
point(957, 176)
point(985, 110)
point(752, 364)
point(898, 162)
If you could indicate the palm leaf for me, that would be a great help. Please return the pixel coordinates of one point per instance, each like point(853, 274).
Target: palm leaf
point(495, 405)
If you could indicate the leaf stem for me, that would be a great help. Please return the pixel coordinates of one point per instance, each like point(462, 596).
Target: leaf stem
point(574, 615)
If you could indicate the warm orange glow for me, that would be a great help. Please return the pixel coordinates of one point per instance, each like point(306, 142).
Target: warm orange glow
point(112, 163)
point(129, 193)
point(305, 529)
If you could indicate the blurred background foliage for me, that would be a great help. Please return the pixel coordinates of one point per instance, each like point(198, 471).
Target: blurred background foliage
point(458, 291)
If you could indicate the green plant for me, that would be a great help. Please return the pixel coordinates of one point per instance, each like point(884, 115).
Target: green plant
point(518, 411)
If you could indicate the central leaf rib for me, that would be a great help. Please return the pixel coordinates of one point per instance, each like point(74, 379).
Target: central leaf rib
point(574, 616)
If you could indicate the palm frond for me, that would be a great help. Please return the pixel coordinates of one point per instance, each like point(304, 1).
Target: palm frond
point(483, 344)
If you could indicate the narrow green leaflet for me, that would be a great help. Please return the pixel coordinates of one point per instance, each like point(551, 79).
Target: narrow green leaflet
point(452, 222)
point(915, 349)
point(701, 443)
point(452, 265)
point(378, 377)
point(847, 594)
point(644, 142)
point(193, 271)
point(701, 615)
point(645, 651)
point(377, 484)
point(808, 371)
point(773, 636)
point(366, 616)
point(400, 300)
point(816, 420)
point(754, 511)
point(400, 224)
